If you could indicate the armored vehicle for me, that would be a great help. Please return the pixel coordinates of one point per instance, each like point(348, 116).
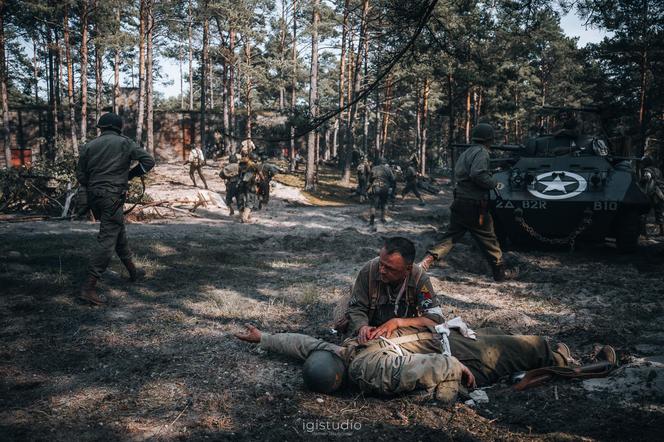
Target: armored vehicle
point(564, 186)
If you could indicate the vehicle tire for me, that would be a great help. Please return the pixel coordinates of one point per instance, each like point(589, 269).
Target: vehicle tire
point(628, 230)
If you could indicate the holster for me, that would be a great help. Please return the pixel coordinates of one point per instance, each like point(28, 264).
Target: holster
point(539, 376)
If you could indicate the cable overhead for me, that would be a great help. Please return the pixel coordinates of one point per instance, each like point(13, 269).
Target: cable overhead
point(316, 123)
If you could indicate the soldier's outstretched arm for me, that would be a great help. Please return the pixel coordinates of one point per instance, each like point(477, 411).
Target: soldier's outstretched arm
point(145, 161)
point(290, 344)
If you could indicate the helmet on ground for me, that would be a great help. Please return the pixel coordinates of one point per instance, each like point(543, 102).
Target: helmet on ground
point(482, 132)
point(323, 371)
point(110, 121)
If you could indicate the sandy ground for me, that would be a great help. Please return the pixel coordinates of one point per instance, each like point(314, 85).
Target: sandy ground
point(160, 362)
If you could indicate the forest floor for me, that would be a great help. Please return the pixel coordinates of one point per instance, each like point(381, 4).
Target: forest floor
point(160, 361)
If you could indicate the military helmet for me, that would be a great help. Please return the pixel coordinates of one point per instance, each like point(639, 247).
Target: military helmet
point(323, 371)
point(110, 120)
point(232, 158)
point(482, 132)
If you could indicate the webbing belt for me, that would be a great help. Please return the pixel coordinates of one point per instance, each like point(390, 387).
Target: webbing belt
point(422, 336)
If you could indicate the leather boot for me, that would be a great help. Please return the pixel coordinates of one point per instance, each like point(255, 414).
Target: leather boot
point(135, 274)
point(89, 292)
point(246, 214)
point(501, 273)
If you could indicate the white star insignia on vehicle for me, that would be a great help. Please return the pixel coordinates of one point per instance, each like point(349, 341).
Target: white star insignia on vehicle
point(557, 184)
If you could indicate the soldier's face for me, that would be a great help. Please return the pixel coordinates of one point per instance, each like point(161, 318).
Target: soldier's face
point(393, 267)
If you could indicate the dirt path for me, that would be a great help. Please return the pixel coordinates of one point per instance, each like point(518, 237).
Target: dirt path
point(159, 362)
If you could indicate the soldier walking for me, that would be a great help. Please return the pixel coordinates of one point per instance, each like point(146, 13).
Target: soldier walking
point(381, 181)
point(196, 162)
point(103, 168)
point(230, 173)
point(411, 182)
point(247, 186)
point(470, 208)
point(653, 184)
point(363, 171)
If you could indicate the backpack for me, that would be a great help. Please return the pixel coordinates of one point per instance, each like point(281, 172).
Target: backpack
point(340, 313)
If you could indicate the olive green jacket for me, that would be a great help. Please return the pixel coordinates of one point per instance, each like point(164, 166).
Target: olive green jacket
point(419, 299)
point(472, 174)
point(103, 164)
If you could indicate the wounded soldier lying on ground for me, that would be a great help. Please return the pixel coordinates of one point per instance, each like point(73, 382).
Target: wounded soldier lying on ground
point(440, 360)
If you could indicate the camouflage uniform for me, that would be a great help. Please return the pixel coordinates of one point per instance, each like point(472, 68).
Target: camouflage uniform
point(103, 167)
point(374, 302)
point(231, 176)
point(383, 368)
point(470, 209)
point(247, 187)
point(381, 181)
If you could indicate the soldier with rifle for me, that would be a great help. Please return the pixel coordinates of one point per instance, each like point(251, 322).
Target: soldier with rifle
point(103, 168)
point(470, 209)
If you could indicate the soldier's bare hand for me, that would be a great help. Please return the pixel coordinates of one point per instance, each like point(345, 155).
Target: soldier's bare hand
point(250, 334)
point(386, 329)
point(426, 262)
point(363, 334)
point(468, 376)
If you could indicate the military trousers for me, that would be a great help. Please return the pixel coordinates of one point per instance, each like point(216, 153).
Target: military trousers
point(196, 168)
point(411, 186)
point(470, 216)
point(108, 209)
point(231, 192)
point(495, 354)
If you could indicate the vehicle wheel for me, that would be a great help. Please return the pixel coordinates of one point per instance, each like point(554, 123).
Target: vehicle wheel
point(628, 230)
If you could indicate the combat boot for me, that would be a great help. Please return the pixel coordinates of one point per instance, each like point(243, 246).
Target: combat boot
point(135, 274)
point(501, 273)
point(245, 215)
point(446, 393)
point(232, 211)
point(89, 292)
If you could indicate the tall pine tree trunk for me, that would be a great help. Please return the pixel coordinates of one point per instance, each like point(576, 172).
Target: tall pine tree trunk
point(467, 120)
point(70, 84)
point(84, 70)
point(342, 77)
point(312, 149)
point(355, 68)
point(191, 58)
point(99, 86)
point(387, 108)
point(141, 72)
point(291, 152)
point(116, 69)
point(231, 87)
point(248, 86)
point(180, 57)
point(3, 91)
point(149, 83)
point(425, 124)
point(204, 70)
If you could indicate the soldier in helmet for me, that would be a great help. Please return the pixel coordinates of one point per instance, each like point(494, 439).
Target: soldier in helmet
point(470, 209)
point(441, 359)
point(410, 176)
point(103, 168)
point(652, 182)
point(230, 173)
point(247, 186)
point(381, 180)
